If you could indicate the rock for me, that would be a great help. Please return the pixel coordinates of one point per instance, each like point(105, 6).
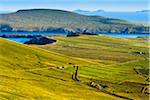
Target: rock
point(103, 85)
point(136, 70)
point(92, 84)
point(89, 33)
point(146, 90)
point(71, 63)
point(99, 87)
point(139, 52)
point(41, 40)
point(148, 79)
point(72, 34)
point(60, 67)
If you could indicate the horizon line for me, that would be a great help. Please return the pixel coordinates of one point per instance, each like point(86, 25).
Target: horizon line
point(15, 10)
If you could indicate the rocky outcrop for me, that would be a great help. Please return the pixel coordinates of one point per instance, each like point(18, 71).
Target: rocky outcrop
point(41, 40)
point(72, 34)
point(139, 52)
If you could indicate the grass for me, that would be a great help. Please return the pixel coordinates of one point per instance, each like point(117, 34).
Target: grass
point(30, 71)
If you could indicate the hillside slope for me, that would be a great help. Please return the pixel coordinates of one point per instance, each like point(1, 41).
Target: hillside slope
point(49, 20)
point(31, 73)
point(28, 72)
point(115, 62)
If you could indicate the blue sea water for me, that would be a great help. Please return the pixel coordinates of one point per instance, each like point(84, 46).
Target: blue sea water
point(22, 40)
point(32, 33)
point(19, 40)
point(118, 35)
point(139, 17)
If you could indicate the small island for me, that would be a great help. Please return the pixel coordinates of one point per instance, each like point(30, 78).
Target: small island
point(41, 40)
point(34, 39)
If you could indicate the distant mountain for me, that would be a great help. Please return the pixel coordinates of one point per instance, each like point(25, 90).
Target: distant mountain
point(82, 11)
point(86, 12)
point(50, 20)
point(142, 17)
point(79, 10)
point(147, 11)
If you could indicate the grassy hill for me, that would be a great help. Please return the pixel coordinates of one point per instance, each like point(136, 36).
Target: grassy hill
point(50, 20)
point(31, 71)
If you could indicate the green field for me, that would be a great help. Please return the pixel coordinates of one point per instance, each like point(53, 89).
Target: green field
point(30, 72)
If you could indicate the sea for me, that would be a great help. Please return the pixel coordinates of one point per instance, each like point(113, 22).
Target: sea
point(22, 40)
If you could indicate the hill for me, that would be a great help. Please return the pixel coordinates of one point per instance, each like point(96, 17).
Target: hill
point(33, 72)
point(48, 20)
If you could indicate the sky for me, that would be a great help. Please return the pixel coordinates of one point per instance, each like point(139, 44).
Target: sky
point(107, 5)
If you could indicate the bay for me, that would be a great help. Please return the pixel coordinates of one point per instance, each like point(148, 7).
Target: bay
point(22, 40)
